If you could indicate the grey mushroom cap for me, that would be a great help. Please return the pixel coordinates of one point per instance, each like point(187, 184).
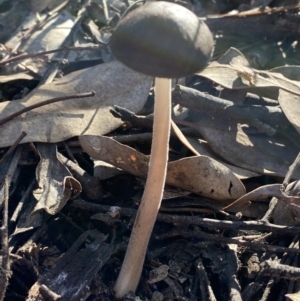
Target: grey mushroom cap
point(162, 39)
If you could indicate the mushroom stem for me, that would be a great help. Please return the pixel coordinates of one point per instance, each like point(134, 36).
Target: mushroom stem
point(135, 255)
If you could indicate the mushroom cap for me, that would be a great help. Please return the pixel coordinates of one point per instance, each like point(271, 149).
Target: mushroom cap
point(162, 39)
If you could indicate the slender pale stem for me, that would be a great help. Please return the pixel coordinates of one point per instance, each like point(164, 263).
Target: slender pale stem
point(135, 255)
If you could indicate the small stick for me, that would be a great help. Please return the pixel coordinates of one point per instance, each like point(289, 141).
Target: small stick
point(205, 287)
point(13, 147)
point(20, 205)
point(5, 266)
point(44, 103)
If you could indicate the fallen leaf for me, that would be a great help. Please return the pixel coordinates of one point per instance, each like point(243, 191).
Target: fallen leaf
point(56, 183)
point(70, 278)
point(114, 84)
point(199, 174)
point(204, 149)
point(262, 192)
point(205, 176)
point(287, 211)
point(290, 105)
point(246, 147)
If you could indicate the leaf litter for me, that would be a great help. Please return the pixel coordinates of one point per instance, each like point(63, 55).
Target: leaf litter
point(233, 163)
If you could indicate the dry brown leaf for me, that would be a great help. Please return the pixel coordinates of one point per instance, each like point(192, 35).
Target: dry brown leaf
point(56, 183)
point(114, 84)
point(199, 174)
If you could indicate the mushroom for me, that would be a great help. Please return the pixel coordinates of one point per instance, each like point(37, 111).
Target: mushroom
point(163, 40)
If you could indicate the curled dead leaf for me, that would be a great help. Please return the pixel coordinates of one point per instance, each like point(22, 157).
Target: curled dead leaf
point(56, 184)
point(198, 174)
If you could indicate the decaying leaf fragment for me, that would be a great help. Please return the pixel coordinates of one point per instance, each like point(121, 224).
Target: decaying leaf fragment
point(56, 184)
point(198, 174)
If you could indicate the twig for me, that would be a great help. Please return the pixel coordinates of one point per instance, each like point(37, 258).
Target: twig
point(251, 290)
point(21, 202)
point(70, 154)
point(129, 116)
point(47, 294)
point(33, 238)
point(13, 147)
point(105, 11)
point(10, 167)
point(228, 240)
point(43, 53)
point(53, 68)
point(205, 287)
point(195, 220)
point(292, 170)
point(32, 30)
point(292, 283)
point(267, 290)
point(5, 265)
point(259, 281)
point(44, 103)
point(275, 269)
point(259, 11)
